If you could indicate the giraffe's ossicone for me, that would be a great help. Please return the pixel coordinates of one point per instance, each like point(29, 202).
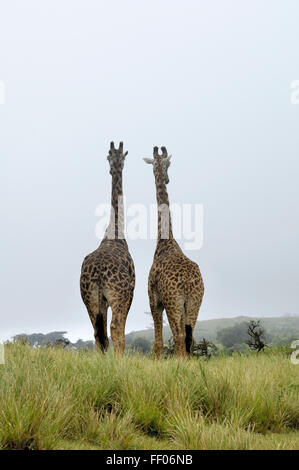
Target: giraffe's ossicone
point(108, 274)
point(175, 283)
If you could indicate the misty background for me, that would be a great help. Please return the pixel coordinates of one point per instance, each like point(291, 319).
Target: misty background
point(210, 80)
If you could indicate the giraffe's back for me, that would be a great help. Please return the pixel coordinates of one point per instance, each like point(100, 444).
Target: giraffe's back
point(110, 268)
point(176, 276)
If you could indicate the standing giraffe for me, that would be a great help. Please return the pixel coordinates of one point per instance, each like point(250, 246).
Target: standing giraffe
point(108, 275)
point(175, 283)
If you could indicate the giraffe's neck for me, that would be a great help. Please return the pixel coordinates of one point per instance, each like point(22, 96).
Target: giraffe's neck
point(116, 224)
point(164, 216)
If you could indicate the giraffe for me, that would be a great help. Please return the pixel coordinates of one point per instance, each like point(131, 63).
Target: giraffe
point(174, 283)
point(108, 274)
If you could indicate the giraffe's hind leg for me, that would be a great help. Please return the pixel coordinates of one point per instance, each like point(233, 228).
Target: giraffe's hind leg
point(175, 317)
point(97, 306)
point(157, 313)
point(120, 309)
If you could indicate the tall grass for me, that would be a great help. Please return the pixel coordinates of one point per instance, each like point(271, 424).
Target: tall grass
point(59, 399)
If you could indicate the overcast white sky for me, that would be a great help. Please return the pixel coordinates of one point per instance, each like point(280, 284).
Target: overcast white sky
point(210, 79)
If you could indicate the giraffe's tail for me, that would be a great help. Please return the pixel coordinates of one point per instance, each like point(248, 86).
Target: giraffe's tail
point(100, 331)
point(188, 338)
point(188, 330)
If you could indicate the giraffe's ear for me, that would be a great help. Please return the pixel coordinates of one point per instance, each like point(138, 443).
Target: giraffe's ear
point(149, 160)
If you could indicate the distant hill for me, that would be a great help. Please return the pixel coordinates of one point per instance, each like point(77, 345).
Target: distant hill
point(279, 328)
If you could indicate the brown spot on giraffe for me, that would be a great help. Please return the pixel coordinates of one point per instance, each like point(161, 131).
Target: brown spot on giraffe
point(108, 274)
point(174, 283)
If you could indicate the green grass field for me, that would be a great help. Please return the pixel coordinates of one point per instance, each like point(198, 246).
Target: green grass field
point(59, 399)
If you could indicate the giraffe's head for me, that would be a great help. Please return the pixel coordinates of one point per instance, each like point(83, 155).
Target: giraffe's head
point(161, 163)
point(116, 158)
